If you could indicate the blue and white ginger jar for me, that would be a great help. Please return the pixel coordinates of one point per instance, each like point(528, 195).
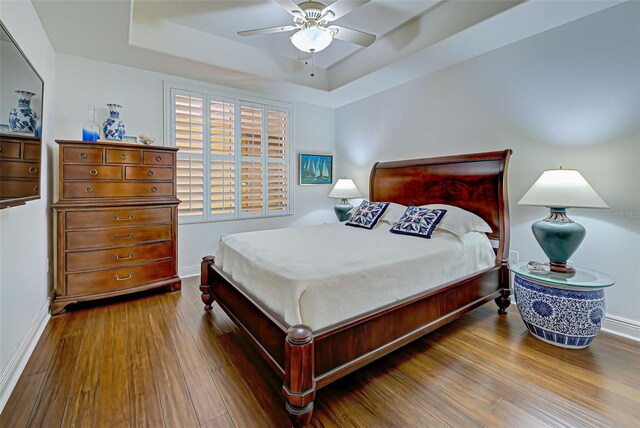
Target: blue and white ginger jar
point(22, 118)
point(113, 127)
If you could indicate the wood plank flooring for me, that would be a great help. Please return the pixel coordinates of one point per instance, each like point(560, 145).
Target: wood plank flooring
point(160, 360)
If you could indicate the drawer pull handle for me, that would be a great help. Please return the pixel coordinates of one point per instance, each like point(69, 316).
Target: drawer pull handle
point(33, 170)
point(150, 173)
point(89, 189)
point(83, 155)
point(117, 217)
point(123, 156)
point(0, 149)
point(123, 258)
point(130, 235)
point(158, 158)
point(36, 188)
point(154, 189)
point(93, 172)
point(125, 278)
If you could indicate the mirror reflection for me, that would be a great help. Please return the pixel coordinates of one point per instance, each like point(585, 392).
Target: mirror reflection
point(21, 90)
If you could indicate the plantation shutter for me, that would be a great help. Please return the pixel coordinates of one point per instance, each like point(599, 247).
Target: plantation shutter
point(251, 160)
point(188, 134)
point(223, 165)
point(234, 156)
point(277, 160)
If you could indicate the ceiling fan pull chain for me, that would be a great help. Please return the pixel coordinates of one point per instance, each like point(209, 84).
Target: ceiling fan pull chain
point(312, 73)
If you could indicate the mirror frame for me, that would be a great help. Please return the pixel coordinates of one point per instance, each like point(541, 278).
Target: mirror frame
point(8, 136)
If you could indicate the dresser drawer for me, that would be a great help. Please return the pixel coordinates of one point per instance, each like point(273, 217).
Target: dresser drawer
point(19, 169)
point(82, 154)
point(19, 188)
point(158, 158)
point(118, 257)
point(150, 173)
point(117, 217)
point(9, 150)
point(124, 156)
point(31, 151)
point(117, 279)
point(92, 172)
point(88, 189)
point(116, 237)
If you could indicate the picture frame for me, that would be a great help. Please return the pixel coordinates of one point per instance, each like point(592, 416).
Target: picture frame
point(315, 168)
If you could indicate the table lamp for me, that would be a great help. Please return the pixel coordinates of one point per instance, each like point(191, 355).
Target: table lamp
point(558, 235)
point(344, 189)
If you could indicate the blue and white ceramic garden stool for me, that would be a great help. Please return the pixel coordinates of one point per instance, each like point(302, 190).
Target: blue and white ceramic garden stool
point(560, 309)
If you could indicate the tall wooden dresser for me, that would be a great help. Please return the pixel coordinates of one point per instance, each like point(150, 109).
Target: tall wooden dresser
point(116, 221)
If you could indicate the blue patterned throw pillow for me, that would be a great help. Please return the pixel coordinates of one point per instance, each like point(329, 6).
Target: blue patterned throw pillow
point(368, 214)
point(418, 221)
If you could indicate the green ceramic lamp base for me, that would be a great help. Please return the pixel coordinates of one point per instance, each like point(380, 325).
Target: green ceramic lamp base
point(342, 210)
point(559, 237)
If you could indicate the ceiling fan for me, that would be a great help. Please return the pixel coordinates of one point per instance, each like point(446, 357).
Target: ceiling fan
point(313, 20)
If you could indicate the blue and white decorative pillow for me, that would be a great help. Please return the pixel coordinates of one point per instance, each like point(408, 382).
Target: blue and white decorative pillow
point(368, 214)
point(418, 221)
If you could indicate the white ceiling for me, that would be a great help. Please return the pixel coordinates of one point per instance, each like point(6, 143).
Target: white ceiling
point(198, 40)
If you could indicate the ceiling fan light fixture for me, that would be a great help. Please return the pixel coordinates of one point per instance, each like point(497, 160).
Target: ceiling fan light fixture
point(312, 40)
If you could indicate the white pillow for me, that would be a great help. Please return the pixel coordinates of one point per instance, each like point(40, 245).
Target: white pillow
point(391, 215)
point(459, 221)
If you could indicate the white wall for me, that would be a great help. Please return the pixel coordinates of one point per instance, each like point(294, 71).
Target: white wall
point(569, 96)
point(83, 81)
point(25, 231)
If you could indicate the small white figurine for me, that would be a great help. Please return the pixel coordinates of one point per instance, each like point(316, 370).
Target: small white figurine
point(147, 139)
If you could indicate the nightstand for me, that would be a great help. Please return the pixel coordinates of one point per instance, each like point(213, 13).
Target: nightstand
point(561, 309)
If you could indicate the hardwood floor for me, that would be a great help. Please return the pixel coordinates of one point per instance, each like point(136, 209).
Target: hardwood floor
point(160, 360)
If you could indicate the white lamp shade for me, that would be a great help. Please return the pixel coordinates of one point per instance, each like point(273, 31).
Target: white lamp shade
point(562, 188)
point(312, 39)
point(345, 188)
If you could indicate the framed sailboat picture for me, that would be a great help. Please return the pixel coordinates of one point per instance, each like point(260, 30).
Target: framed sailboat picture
point(316, 168)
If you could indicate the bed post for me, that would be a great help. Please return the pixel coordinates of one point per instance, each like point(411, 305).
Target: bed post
point(299, 387)
point(503, 301)
point(207, 297)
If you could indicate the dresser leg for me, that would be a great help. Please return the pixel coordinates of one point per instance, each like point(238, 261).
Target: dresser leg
point(177, 286)
point(58, 308)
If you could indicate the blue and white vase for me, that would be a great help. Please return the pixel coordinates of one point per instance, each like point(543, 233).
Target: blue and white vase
point(114, 127)
point(22, 118)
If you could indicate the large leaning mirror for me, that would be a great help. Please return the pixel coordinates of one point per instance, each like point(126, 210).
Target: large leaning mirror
point(21, 90)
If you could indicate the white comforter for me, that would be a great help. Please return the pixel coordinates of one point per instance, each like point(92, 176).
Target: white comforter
point(322, 275)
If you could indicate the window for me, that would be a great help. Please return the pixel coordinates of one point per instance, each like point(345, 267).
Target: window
point(234, 158)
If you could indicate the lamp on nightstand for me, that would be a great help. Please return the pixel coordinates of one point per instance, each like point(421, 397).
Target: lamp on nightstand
point(344, 189)
point(558, 235)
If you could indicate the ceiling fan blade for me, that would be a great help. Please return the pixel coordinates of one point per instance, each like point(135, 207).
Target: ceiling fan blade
point(353, 36)
point(280, 29)
point(291, 7)
point(340, 8)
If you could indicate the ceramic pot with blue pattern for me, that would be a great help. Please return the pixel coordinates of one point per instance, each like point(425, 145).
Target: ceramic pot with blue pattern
point(568, 317)
point(22, 118)
point(113, 127)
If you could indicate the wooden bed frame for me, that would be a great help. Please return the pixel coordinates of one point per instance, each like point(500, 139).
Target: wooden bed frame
point(308, 360)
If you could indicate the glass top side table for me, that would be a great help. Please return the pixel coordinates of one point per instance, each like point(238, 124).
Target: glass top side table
point(563, 310)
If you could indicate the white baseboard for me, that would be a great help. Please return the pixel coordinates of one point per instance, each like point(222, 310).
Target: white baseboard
point(187, 271)
point(11, 371)
point(621, 327)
